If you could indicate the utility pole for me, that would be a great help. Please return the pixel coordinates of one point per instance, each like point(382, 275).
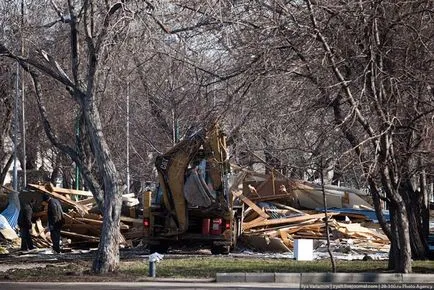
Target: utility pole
point(77, 142)
point(326, 218)
point(19, 80)
point(175, 128)
point(23, 107)
point(15, 130)
point(128, 137)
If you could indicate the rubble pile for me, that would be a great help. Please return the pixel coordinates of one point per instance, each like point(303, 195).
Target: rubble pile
point(83, 221)
point(280, 211)
point(277, 212)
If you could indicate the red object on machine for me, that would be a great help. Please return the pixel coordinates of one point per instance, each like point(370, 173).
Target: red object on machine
point(227, 224)
point(146, 223)
point(216, 226)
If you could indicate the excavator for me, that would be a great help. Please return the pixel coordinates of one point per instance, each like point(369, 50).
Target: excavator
point(193, 203)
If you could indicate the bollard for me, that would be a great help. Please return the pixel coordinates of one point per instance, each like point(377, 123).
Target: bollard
point(153, 259)
point(152, 269)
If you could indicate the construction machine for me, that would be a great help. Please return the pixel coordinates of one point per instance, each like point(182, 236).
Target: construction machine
point(193, 204)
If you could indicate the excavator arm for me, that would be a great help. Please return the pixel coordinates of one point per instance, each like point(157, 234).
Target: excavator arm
point(181, 182)
point(171, 168)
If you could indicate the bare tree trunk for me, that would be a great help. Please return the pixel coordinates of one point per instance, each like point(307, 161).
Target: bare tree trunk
point(419, 245)
point(404, 265)
point(376, 198)
point(425, 204)
point(6, 157)
point(107, 259)
point(395, 251)
point(5, 169)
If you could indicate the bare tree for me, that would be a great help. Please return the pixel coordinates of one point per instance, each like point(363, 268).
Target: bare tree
point(368, 69)
point(393, 121)
point(95, 23)
point(6, 113)
point(349, 83)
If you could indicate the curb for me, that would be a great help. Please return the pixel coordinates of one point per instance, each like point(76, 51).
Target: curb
point(325, 278)
point(176, 280)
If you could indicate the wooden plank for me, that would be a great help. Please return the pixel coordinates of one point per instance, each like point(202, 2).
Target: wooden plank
point(286, 239)
point(90, 221)
point(49, 187)
point(352, 229)
point(294, 229)
point(70, 219)
point(250, 203)
point(80, 208)
point(75, 235)
point(83, 229)
point(94, 216)
point(269, 197)
point(99, 222)
point(257, 223)
point(309, 237)
point(131, 220)
point(278, 227)
point(258, 220)
point(86, 201)
point(80, 227)
point(9, 234)
point(289, 208)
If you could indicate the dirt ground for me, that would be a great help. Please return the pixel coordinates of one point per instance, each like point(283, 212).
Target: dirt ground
point(76, 271)
point(43, 265)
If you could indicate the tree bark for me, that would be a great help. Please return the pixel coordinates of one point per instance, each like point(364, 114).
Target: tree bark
point(5, 169)
point(107, 258)
point(404, 264)
point(6, 157)
point(425, 210)
point(395, 252)
point(414, 204)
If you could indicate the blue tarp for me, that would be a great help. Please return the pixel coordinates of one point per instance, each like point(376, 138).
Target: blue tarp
point(12, 211)
point(369, 214)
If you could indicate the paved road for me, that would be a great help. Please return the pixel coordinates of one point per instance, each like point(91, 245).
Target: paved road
point(142, 285)
point(200, 285)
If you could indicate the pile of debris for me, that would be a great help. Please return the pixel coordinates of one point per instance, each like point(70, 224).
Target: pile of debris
point(83, 221)
point(280, 211)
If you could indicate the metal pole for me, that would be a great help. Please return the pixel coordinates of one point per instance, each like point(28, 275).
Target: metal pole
point(15, 130)
point(128, 137)
point(173, 127)
point(152, 269)
point(77, 138)
point(23, 107)
point(332, 258)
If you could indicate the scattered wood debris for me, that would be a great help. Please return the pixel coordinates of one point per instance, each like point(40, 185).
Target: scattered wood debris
point(82, 227)
point(279, 211)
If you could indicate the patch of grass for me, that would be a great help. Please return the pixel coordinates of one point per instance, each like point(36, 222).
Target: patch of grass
point(207, 267)
point(199, 267)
